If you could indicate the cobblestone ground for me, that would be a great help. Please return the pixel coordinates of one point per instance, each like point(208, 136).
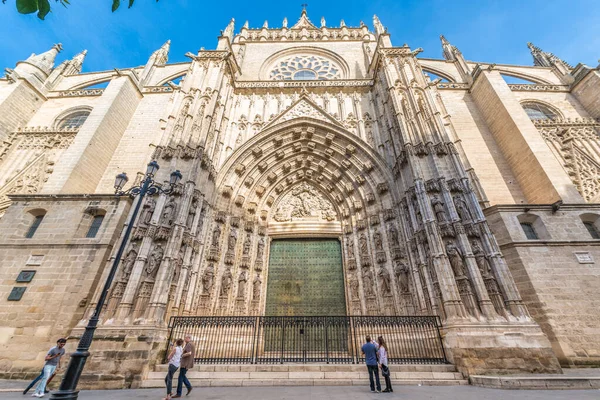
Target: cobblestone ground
point(337, 393)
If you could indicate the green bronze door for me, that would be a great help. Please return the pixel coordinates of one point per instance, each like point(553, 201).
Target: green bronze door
point(305, 278)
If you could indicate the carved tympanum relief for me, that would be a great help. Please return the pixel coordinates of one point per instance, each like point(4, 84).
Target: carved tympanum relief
point(304, 202)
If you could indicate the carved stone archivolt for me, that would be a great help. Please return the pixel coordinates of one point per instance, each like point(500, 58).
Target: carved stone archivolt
point(304, 202)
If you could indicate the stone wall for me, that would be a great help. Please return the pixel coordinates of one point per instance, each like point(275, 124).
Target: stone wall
point(558, 275)
point(67, 269)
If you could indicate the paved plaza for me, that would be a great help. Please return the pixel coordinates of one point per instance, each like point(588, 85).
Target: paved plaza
point(337, 393)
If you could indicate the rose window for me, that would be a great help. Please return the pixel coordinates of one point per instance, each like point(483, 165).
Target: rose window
point(302, 68)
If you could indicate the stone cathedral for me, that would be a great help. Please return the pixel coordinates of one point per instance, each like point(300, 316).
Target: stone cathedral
point(326, 171)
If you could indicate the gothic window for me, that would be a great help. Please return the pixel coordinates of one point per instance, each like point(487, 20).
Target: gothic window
point(592, 230)
point(537, 111)
point(95, 226)
point(592, 224)
point(529, 231)
point(37, 220)
point(73, 120)
point(305, 67)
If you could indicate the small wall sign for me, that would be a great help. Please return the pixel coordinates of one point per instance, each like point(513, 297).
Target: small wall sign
point(35, 260)
point(17, 293)
point(584, 257)
point(26, 276)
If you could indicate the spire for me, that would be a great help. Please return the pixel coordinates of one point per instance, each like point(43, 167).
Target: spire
point(323, 23)
point(77, 61)
point(266, 24)
point(303, 21)
point(245, 25)
point(45, 61)
point(228, 32)
point(161, 56)
point(543, 58)
point(285, 22)
point(448, 50)
point(342, 24)
point(379, 29)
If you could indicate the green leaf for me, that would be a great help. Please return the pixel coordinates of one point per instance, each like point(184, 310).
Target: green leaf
point(44, 7)
point(116, 4)
point(27, 6)
point(130, 3)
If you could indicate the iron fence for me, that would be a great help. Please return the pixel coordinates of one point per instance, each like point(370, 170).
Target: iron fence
point(308, 339)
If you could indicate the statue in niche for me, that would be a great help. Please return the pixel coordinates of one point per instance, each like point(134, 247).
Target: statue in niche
point(260, 249)
point(247, 245)
point(129, 262)
point(350, 246)
point(438, 208)
point(462, 209)
point(181, 255)
point(393, 233)
point(242, 280)
point(362, 240)
point(232, 241)
point(456, 259)
point(354, 290)
point(226, 281)
point(153, 261)
point(147, 211)
point(256, 285)
point(377, 240)
point(216, 236)
point(169, 212)
point(384, 275)
point(481, 260)
point(192, 212)
point(208, 278)
point(368, 282)
point(401, 272)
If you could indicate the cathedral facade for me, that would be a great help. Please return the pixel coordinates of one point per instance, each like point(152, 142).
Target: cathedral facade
point(325, 172)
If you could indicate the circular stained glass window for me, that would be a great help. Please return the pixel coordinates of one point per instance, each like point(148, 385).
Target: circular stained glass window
point(307, 67)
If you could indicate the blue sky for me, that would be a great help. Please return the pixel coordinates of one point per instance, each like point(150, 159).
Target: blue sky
point(494, 31)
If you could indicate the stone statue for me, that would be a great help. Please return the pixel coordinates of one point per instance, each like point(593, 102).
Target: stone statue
point(232, 241)
point(363, 244)
point(261, 249)
point(247, 245)
point(462, 209)
point(129, 262)
point(384, 275)
point(192, 212)
point(216, 236)
point(393, 233)
point(148, 210)
point(377, 240)
point(481, 259)
point(208, 278)
point(354, 290)
point(456, 259)
point(350, 246)
point(226, 281)
point(154, 260)
point(242, 280)
point(438, 208)
point(169, 212)
point(181, 255)
point(401, 272)
point(256, 284)
point(368, 282)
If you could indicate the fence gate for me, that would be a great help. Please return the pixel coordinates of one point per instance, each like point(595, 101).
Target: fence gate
point(308, 339)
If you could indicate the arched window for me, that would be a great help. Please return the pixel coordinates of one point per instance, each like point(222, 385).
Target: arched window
point(529, 231)
point(537, 111)
point(592, 230)
point(72, 120)
point(95, 226)
point(592, 224)
point(38, 217)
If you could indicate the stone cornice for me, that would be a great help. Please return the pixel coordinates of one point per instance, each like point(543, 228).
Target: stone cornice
point(304, 34)
point(537, 88)
point(356, 83)
point(77, 93)
point(65, 197)
point(538, 207)
point(567, 122)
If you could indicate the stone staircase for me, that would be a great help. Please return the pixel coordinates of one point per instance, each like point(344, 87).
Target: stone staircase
point(307, 375)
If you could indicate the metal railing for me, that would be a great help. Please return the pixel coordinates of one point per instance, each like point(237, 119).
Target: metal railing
point(308, 339)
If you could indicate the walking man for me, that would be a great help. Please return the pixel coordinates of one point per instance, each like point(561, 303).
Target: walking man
point(52, 362)
point(187, 362)
point(370, 351)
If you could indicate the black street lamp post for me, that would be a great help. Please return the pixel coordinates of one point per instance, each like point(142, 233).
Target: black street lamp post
point(68, 386)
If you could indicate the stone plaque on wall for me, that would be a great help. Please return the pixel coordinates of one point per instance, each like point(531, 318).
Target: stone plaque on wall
point(584, 257)
point(305, 278)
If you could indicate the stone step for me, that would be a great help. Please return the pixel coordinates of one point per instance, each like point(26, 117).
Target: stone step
point(308, 375)
point(536, 382)
point(312, 368)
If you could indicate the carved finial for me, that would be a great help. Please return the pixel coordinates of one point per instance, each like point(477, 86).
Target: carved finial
point(543, 58)
point(379, 29)
point(304, 8)
point(448, 50)
point(228, 32)
point(245, 25)
point(161, 56)
point(285, 22)
point(266, 24)
point(77, 61)
point(342, 24)
point(45, 61)
point(323, 23)
point(362, 24)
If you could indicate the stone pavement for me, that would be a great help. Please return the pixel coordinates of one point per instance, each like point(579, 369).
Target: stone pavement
point(338, 393)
